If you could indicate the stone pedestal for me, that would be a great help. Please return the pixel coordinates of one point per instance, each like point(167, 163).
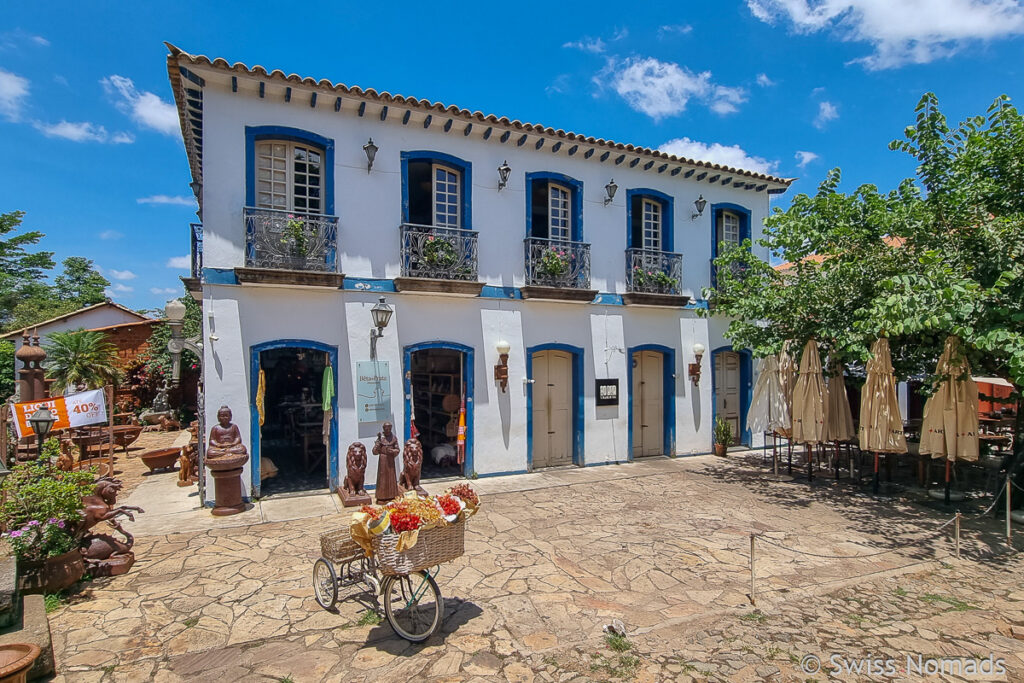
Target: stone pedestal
point(419, 489)
point(227, 482)
point(350, 500)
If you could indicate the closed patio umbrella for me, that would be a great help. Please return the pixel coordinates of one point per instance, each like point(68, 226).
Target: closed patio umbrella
point(768, 410)
point(838, 416)
point(881, 425)
point(787, 378)
point(809, 402)
point(949, 429)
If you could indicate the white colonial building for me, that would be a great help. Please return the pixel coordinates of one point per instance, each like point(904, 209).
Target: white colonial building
point(585, 257)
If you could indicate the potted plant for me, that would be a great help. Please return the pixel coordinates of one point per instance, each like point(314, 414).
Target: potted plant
point(439, 252)
point(554, 262)
point(295, 235)
point(723, 436)
point(42, 513)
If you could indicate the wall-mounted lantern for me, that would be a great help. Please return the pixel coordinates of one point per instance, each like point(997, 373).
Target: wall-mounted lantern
point(698, 354)
point(503, 173)
point(610, 189)
point(501, 369)
point(381, 314)
point(699, 205)
point(371, 154)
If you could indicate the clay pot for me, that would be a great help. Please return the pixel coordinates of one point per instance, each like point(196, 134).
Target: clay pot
point(15, 661)
point(720, 449)
point(51, 575)
point(161, 458)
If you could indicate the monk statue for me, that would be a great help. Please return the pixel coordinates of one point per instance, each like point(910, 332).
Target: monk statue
point(225, 439)
point(412, 464)
point(387, 447)
point(352, 491)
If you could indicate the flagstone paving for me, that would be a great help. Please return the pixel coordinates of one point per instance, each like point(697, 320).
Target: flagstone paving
point(662, 545)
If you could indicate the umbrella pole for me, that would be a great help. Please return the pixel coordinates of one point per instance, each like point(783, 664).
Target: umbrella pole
point(775, 455)
point(836, 451)
point(789, 448)
point(810, 461)
point(947, 481)
point(876, 473)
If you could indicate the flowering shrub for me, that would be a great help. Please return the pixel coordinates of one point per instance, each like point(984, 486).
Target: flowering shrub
point(295, 235)
point(554, 262)
point(653, 279)
point(43, 508)
point(439, 252)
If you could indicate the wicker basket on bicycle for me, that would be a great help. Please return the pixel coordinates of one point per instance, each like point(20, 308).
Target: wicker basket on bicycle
point(433, 546)
point(338, 546)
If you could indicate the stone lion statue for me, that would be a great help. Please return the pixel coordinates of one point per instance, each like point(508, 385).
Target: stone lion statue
point(412, 464)
point(355, 462)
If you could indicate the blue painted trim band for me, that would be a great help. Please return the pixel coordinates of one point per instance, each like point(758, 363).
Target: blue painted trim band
point(668, 225)
point(575, 186)
point(254, 133)
point(578, 407)
point(496, 292)
point(368, 285)
point(506, 473)
point(219, 276)
point(698, 303)
point(746, 390)
point(254, 418)
point(468, 354)
point(465, 184)
point(668, 394)
point(607, 299)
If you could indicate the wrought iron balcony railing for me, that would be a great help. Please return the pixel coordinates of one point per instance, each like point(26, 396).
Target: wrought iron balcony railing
point(287, 240)
point(653, 272)
point(438, 253)
point(197, 250)
point(557, 263)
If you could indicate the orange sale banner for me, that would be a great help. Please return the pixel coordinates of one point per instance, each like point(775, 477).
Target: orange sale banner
point(75, 410)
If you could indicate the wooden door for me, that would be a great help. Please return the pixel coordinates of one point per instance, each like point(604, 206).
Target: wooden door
point(727, 390)
point(648, 404)
point(552, 409)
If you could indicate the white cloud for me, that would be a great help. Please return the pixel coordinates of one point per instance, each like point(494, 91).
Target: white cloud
point(826, 112)
point(764, 81)
point(177, 200)
point(122, 138)
point(661, 89)
point(81, 131)
point(804, 158)
point(171, 291)
point(13, 92)
point(120, 288)
point(121, 274)
point(729, 155)
point(147, 108)
point(903, 31)
point(39, 40)
point(179, 262)
point(674, 29)
point(594, 46)
point(111, 235)
point(559, 85)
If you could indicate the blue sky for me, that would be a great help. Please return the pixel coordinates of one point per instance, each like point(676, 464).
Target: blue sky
point(93, 154)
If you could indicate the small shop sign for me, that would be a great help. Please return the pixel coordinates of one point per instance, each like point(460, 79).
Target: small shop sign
point(607, 392)
point(373, 391)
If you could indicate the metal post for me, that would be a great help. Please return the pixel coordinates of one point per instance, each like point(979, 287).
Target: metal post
point(1009, 528)
point(753, 600)
point(956, 526)
point(810, 460)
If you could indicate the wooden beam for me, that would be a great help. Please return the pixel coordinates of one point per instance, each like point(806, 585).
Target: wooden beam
point(676, 170)
point(727, 180)
point(714, 178)
point(337, 104)
point(555, 147)
point(633, 163)
point(661, 169)
point(540, 143)
point(487, 133)
point(505, 136)
point(690, 173)
point(702, 176)
point(448, 125)
point(760, 188)
point(426, 121)
point(312, 100)
point(647, 166)
point(468, 129)
point(288, 94)
point(262, 88)
point(405, 117)
point(572, 150)
point(622, 157)
point(604, 157)
point(384, 113)
point(589, 153)
point(234, 84)
point(522, 140)
point(362, 108)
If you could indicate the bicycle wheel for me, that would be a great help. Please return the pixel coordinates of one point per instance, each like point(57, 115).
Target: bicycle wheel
point(325, 583)
point(413, 605)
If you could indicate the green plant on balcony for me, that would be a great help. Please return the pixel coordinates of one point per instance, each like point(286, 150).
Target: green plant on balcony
point(653, 279)
point(553, 262)
point(439, 253)
point(295, 236)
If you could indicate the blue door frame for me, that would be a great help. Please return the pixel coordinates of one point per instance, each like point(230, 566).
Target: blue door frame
point(467, 373)
point(746, 390)
point(254, 417)
point(577, 400)
point(668, 370)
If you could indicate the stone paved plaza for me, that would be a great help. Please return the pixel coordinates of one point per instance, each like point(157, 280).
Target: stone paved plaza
point(662, 545)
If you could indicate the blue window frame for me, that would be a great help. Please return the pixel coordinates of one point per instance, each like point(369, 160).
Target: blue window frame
point(554, 206)
point(728, 222)
point(437, 190)
point(650, 222)
point(255, 134)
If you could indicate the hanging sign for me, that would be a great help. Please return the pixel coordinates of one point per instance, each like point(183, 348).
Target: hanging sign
point(373, 391)
point(606, 392)
point(75, 410)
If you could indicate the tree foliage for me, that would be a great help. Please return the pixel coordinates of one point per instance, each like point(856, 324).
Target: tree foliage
point(80, 357)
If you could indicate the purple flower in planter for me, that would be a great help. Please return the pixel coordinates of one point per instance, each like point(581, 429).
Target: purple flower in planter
point(60, 525)
point(15, 534)
point(51, 520)
point(34, 522)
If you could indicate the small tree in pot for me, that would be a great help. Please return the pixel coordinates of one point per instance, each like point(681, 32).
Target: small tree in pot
point(723, 435)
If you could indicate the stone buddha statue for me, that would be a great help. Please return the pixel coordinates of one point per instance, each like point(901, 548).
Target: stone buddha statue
point(225, 439)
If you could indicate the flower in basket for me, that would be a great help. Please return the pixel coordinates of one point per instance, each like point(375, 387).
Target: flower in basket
point(466, 494)
point(450, 506)
point(404, 521)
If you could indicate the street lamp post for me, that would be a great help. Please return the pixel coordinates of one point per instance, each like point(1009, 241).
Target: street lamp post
point(42, 421)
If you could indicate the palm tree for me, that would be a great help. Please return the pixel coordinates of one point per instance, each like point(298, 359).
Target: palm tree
point(80, 357)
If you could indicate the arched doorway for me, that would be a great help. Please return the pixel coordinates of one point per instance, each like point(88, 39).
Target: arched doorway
point(289, 453)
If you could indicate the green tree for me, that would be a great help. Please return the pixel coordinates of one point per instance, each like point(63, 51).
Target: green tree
point(80, 357)
point(80, 282)
point(19, 268)
point(6, 370)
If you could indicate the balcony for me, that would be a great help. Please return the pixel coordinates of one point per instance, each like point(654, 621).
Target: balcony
point(557, 270)
point(287, 248)
point(653, 278)
point(194, 282)
point(437, 259)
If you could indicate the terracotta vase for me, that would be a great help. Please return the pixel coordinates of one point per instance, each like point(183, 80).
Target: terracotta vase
point(15, 661)
point(720, 449)
point(51, 575)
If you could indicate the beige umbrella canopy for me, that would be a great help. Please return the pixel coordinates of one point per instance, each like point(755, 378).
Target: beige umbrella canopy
point(838, 417)
point(950, 426)
point(881, 425)
point(809, 398)
point(768, 411)
point(787, 379)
